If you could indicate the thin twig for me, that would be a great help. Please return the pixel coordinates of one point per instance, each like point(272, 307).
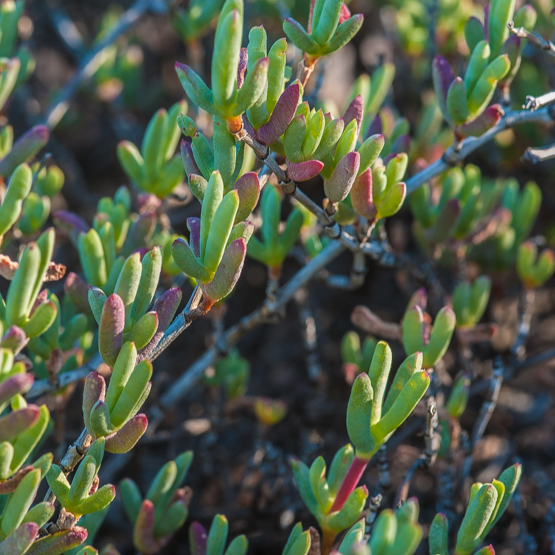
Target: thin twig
point(426, 459)
point(373, 507)
point(533, 360)
point(249, 322)
point(456, 154)
point(181, 322)
point(533, 37)
point(189, 314)
point(518, 350)
point(92, 60)
point(40, 387)
point(310, 336)
point(537, 155)
point(484, 416)
point(80, 446)
point(536, 102)
point(353, 281)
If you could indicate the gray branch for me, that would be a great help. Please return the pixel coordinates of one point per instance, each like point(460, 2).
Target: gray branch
point(457, 153)
point(92, 61)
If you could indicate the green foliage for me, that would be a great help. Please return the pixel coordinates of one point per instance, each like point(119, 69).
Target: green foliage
point(193, 22)
point(534, 270)
point(213, 542)
point(470, 301)
point(299, 542)
point(275, 244)
point(230, 372)
point(431, 341)
point(120, 311)
point(217, 248)
point(458, 398)
point(393, 532)
point(327, 34)
point(82, 496)
point(164, 509)
point(156, 168)
point(487, 504)
point(319, 488)
point(373, 416)
point(356, 357)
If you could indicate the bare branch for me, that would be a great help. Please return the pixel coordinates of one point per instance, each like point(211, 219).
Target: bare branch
point(92, 61)
point(533, 37)
point(537, 155)
point(456, 154)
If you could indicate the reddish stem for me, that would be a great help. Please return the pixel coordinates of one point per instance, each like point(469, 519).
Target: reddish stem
point(350, 482)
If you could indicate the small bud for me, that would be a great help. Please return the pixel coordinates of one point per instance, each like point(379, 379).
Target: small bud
point(269, 411)
point(458, 397)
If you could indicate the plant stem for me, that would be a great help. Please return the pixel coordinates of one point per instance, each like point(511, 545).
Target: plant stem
point(350, 482)
point(328, 538)
point(455, 154)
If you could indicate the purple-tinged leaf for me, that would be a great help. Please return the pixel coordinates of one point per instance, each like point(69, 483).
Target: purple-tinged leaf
point(248, 189)
point(362, 197)
point(9, 486)
point(17, 422)
point(24, 149)
point(110, 331)
point(143, 534)
point(242, 67)
point(60, 542)
point(42, 297)
point(401, 144)
point(281, 116)
point(226, 275)
point(193, 225)
point(354, 111)
point(443, 76)
point(20, 540)
point(197, 539)
point(71, 223)
point(418, 298)
point(198, 186)
point(140, 233)
point(338, 186)
point(147, 202)
point(183, 496)
point(77, 291)
point(94, 390)
point(126, 438)
point(303, 171)
point(445, 223)
point(485, 121)
point(376, 127)
point(15, 385)
point(14, 339)
point(166, 307)
point(188, 159)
